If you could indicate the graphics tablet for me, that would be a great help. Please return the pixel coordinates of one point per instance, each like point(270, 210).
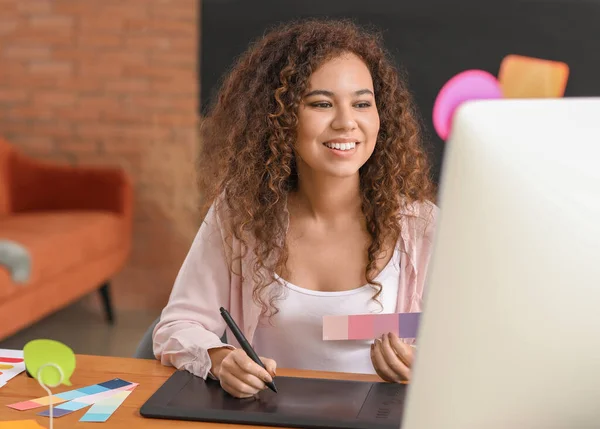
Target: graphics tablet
point(301, 402)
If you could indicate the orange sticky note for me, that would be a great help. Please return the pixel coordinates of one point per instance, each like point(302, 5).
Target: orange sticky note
point(21, 424)
point(527, 77)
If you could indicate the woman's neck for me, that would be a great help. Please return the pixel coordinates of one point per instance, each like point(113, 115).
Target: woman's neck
point(327, 198)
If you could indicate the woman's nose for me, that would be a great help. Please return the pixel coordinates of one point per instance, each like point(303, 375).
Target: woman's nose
point(344, 119)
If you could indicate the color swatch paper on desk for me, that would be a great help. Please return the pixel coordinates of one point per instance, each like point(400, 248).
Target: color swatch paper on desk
point(102, 410)
point(370, 326)
point(528, 77)
point(11, 364)
point(84, 401)
point(69, 395)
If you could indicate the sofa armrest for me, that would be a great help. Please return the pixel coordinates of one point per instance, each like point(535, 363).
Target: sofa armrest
point(37, 185)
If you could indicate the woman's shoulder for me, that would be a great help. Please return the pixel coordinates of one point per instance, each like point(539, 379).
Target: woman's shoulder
point(220, 217)
point(421, 210)
point(216, 223)
point(419, 219)
point(218, 212)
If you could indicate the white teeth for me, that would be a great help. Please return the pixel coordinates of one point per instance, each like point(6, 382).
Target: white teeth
point(341, 146)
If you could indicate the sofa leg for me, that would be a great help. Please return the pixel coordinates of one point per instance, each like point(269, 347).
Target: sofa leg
point(107, 302)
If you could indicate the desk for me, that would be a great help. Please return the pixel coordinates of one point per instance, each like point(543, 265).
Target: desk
point(150, 375)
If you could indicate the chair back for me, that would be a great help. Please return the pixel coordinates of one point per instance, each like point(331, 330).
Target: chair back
point(144, 349)
point(7, 155)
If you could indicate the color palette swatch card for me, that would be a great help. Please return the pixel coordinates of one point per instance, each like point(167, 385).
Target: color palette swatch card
point(84, 401)
point(69, 395)
point(102, 410)
point(527, 77)
point(11, 364)
point(370, 326)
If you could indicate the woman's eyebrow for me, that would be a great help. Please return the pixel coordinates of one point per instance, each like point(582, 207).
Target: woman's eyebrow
point(320, 92)
point(330, 94)
point(364, 91)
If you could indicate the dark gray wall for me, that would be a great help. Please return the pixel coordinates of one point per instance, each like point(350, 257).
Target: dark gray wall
point(431, 39)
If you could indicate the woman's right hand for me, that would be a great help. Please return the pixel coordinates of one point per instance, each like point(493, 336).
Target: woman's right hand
point(239, 375)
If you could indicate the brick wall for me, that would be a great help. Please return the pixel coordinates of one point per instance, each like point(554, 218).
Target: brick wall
point(112, 82)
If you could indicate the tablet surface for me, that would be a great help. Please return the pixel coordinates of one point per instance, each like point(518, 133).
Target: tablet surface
point(301, 402)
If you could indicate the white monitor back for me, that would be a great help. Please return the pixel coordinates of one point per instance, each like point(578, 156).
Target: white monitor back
point(510, 335)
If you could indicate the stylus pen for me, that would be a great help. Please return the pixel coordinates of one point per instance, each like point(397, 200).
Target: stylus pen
point(244, 343)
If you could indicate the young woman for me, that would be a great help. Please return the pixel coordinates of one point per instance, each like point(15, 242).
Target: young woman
point(320, 204)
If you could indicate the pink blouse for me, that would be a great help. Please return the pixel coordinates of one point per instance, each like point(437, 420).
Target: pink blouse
point(191, 324)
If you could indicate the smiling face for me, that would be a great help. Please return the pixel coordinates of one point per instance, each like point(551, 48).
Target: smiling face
point(338, 120)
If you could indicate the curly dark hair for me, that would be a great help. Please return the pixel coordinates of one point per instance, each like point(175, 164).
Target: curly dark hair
point(247, 158)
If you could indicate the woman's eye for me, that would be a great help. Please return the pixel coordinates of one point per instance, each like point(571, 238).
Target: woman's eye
point(326, 105)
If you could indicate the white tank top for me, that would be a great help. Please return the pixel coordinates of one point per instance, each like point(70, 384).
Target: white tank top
point(295, 336)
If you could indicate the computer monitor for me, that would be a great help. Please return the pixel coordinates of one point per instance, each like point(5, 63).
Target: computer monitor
point(510, 334)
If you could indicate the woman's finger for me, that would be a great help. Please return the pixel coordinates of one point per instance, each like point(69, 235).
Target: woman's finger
point(248, 366)
point(255, 383)
point(375, 364)
point(393, 360)
point(404, 351)
point(237, 378)
point(240, 371)
point(236, 387)
point(381, 367)
point(271, 366)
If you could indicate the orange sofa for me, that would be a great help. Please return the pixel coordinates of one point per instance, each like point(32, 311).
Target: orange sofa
point(75, 224)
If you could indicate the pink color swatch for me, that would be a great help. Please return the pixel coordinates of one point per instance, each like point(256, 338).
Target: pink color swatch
point(360, 327)
point(385, 323)
point(370, 326)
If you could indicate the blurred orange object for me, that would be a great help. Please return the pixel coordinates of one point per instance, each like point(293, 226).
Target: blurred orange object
point(527, 77)
point(21, 424)
point(74, 221)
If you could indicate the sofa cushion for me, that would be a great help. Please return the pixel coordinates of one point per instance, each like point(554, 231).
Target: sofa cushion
point(58, 241)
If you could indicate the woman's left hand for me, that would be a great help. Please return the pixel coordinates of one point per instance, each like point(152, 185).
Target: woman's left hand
point(392, 359)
